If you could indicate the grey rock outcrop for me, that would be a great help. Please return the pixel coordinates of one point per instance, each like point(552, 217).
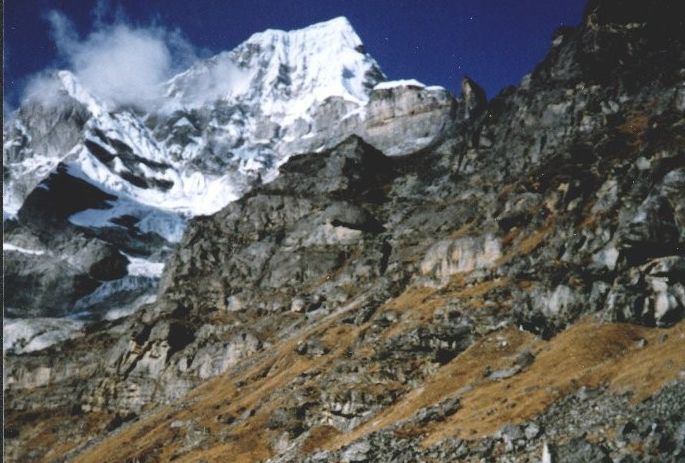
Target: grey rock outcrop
point(474, 98)
point(406, 118)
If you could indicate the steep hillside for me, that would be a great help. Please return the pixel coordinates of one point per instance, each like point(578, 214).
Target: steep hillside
point(511, 291)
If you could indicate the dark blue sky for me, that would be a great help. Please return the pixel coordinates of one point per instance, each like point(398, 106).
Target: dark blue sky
point(495, 42)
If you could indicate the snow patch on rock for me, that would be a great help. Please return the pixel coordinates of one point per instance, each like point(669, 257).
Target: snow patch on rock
point(145, 268)
point(22, 335)
point(12, 247)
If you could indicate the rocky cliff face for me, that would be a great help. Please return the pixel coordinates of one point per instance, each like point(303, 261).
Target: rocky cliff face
point(511, 290)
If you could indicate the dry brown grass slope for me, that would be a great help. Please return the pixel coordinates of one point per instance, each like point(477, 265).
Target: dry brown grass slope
point(589, 353)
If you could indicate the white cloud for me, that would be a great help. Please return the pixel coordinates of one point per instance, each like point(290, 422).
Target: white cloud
point(63, 31)
point(43, 87)
point(100, 11)
point(217, 78)
point(120, 63)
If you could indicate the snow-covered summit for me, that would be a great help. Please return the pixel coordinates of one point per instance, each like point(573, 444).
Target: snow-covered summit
point(213, 133)
point(71, 85)
point(223, 124)
point(285, 72)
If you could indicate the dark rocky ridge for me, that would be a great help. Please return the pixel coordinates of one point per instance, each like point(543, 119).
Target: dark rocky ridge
point(354, 279)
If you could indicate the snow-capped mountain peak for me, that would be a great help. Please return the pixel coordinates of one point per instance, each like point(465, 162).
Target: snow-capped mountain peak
point(326, 58)
point(273, 67)
point(70, 84)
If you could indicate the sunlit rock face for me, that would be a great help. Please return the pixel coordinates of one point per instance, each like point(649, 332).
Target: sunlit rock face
point(405, 116)
point(463, 255)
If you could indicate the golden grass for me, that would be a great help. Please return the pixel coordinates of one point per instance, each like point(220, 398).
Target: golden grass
point(413, 304)
point(250, 439)
point(518, 244)
point(635, 124)
point(45, 430)
point(461, 231)
point(417, 304)
point(588, 354)
point(531, 242)
point(465, 369)
point(318, 436)
point(510, 236)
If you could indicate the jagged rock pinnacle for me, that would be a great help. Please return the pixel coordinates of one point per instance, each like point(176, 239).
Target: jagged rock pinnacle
point(474, 97)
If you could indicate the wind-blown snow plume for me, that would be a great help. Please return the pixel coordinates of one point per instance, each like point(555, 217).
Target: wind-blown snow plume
point(221, 78)
point(118, 62)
